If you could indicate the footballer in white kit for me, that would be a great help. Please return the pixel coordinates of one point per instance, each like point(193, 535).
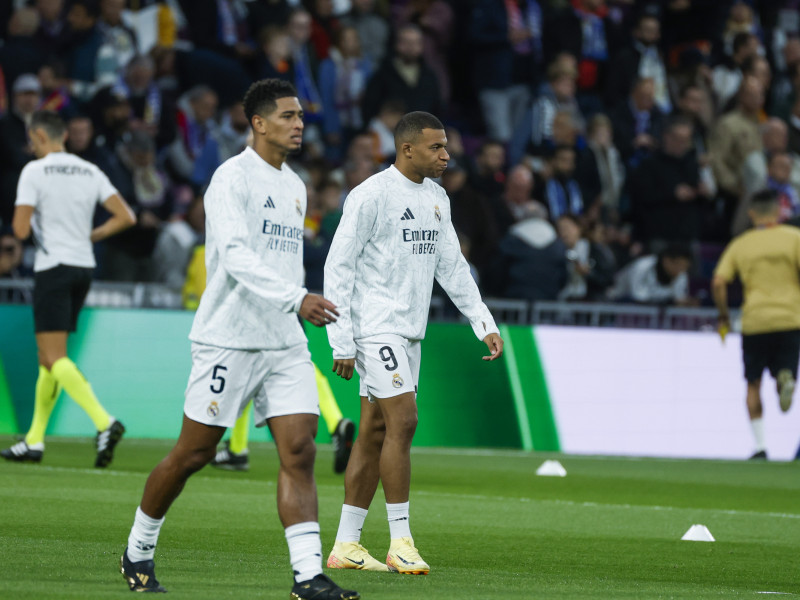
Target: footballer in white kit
point(395, 237)
point(248, 343)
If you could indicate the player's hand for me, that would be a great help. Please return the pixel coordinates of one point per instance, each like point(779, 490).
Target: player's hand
point(317, 310)
point(495, 344)
point(723, 326)
point(343, 367)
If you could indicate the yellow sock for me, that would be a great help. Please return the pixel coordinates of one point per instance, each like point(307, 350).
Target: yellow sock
point(241, 431)
point(327, 401)
point(75, 384)
point(44, 401)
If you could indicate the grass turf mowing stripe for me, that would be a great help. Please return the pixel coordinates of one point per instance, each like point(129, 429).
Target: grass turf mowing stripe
point(489, 527)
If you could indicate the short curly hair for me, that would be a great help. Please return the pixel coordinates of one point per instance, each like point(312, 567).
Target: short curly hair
point(261, 98)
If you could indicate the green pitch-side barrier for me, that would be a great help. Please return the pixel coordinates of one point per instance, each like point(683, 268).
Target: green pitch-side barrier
point(138, 362)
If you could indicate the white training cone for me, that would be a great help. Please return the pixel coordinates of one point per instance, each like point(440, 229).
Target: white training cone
point(698, 533)
point(551, 468)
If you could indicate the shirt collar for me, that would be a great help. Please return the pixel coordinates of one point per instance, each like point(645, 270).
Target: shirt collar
point(405, 181)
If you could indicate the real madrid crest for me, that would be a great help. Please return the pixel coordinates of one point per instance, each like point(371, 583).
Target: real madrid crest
point(397, 381)
point(298, 207)
point(213, 409)
point(437, 214)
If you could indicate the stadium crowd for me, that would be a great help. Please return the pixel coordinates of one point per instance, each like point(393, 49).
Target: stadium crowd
point(600, 149)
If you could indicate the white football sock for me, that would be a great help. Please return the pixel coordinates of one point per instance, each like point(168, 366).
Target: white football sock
point(305, 550)
point(757, 425)
point(398, 520)
point(143, 537)
point(351, 523)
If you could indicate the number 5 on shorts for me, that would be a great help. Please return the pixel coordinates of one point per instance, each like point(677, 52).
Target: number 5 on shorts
point(387, 355)
point(219, 379)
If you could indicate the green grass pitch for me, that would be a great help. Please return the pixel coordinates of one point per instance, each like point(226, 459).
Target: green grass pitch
point(489, 527)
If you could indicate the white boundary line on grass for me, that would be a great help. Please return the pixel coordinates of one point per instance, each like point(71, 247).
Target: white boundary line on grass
point(481, 497)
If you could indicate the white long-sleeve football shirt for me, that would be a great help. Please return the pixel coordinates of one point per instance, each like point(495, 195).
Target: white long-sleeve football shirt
point(254, 257)
point(395, 236)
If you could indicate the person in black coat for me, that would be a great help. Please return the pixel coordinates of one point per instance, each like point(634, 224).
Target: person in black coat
point(14, 147)
point(637, 124)
point(405, 77)
point(640, 58)
point(666, 192)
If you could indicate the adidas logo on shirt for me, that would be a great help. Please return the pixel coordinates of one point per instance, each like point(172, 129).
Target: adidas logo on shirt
point(269, 203)
point(407, 216)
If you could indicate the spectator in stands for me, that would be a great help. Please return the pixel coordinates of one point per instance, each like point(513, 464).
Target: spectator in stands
point(557, 95)
point(518, 193)
point(343, 78)
point(667, 195)
point(780, 178)
point(728, 74)
point(10, 255)
point(381, 127)
point(694, 103)
point(80, 135)
point(775, 140)
point(488, 176)
point(221, 26)
point(51, 35)
point(305, 62)
point(436, 20)
point(508, 53)
point(176, 243)
point(531, 263)
point(656, 279)
point(55, 95)
point(741, 19)
point(324, 26)
point(637, 124)
point(91, 62)
point(225, 141)
point(734, 137)
point(590, 266)
point(373, 30)
point(583, 30)
point(600, 171)
point(276, 54)
point(472, 214)
point(20, 52)
point(780, 181)
point(405, 77)
point(151, 109)
point(128, 256)
point(118, 36)
point(15, 152)
point(640, 60)
point(560, 191)
point(356, 172)
point(196, 111)
point(787, 80)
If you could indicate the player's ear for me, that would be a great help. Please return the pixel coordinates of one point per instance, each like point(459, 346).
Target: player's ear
point(406, 149)
point(259, 124)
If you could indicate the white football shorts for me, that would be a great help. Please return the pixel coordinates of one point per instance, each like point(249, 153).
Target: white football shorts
point(223, 381)
point(387, 365)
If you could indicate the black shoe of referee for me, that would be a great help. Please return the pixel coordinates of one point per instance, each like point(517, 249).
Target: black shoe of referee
point(106, 441)
point(342, 440)
point(321, 588)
